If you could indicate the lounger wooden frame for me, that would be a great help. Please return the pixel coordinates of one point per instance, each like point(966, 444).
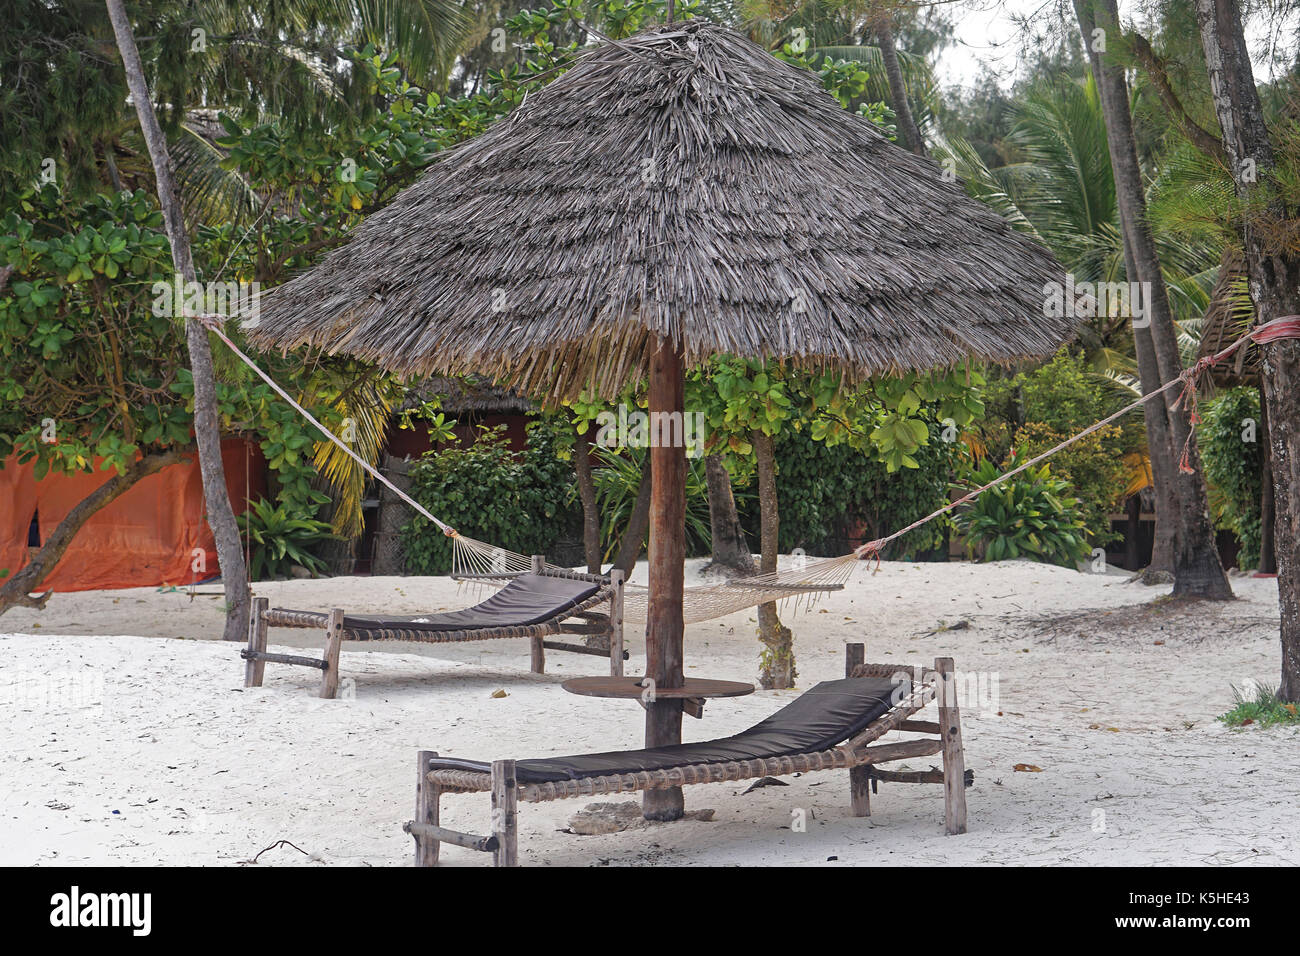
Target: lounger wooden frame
point(580, 619)
point(856, 755)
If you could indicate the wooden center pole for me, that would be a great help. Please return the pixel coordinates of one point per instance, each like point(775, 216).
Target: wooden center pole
point(664, 621)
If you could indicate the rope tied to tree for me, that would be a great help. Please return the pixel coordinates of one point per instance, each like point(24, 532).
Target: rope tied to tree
point(1283, 327)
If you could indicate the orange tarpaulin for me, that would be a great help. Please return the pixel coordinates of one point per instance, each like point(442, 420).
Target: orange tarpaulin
point(154, 534)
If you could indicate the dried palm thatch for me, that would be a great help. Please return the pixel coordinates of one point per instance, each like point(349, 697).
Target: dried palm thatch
point(682, 183)
point(1230, 314)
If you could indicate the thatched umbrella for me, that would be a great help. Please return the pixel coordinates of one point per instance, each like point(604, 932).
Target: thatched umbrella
point(674, 195)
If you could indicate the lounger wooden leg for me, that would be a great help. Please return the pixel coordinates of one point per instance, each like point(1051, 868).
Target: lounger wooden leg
point(616, 624)
point(537, 563)
point(859, 777)
point(254, 669)
point(505, 816)
point(329, 678)
point(954, 761)
point(427, 796)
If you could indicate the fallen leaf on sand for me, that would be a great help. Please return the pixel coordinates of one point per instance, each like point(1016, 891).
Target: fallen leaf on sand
point(499, 693)
point(1027, 768)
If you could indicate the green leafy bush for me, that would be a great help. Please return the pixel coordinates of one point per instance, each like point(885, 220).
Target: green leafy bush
point(516, 500)
point(1030, 516)
point(1233, 468)
point(1092, 467)
point(617, 482)
point(1035, 410)
point(277, 540)
point(826, 492)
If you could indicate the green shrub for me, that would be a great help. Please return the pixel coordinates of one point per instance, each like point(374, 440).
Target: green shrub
point(1030, 516)
point(617, 482)
point(1092, 467)
point(1232, 467)
point(1035, 410)
point(515, 500)
point(1264, 709)
point(277, 539)
point(824, 492)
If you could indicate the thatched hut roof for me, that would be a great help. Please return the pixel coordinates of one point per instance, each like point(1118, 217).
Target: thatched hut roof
point(468, 395)
point(680, 183)
point(1226, 320)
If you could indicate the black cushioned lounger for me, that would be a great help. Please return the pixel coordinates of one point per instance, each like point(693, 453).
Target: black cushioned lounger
point(528, 599)
point(537, 606)
point(836, 725)
point(826, 715)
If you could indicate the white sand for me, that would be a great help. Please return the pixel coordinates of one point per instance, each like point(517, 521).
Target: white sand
point(145, 749)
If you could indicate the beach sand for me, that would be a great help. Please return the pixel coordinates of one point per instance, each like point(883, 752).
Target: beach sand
point(130, 738)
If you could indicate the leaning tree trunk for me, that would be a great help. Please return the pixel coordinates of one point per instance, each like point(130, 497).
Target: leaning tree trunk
point(1274, 269)
point(883, 26)
point(630, 545)
point(587, 495)
point(207, 433)
point(777, 665)
point(17, 589)
point(731, 553)
point(1197, 569)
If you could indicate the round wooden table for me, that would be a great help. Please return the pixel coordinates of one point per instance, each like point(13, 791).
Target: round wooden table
point(693, 692)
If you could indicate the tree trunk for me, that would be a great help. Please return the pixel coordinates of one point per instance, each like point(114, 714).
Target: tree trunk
point(1274, 288)
point(15, 590)
point(587, 494)
point(882, 25)
point(1267, 552)
point(1197, 570)
point(665, 625)
point(777, 670)
point(207, 431)
point(629, 548)
point(731, 553)
point(1160, 451)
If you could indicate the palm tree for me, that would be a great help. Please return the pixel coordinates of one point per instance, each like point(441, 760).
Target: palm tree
point(61, 98)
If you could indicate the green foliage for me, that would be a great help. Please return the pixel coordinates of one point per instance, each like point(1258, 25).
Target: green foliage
point(87, 365)
point(516, 500)
point(102, 381)
point(1264, 709)
point(277, 540)
point(1091, 467)
point(617, 482)
point(1233, 468)
point(828, 492)
point(1035, 410)
point(886, 418)
point(1030, 516)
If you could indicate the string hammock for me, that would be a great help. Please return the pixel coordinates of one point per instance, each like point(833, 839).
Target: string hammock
point(478, 562)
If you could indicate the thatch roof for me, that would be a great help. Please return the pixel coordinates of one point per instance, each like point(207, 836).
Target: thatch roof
point(1226, 320)
point(683, 183)
point(468, 395)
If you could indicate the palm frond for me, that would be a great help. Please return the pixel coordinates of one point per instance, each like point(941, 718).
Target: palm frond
point(365, 411)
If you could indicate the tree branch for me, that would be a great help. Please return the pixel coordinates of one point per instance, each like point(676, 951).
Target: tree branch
point(1154, 67)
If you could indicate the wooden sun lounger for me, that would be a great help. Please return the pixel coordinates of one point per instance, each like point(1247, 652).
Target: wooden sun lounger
point(510, 782)
point(538, 618)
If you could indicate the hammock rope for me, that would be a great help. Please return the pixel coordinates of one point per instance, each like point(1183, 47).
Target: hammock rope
point(479, 562)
